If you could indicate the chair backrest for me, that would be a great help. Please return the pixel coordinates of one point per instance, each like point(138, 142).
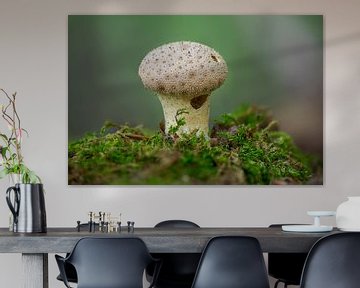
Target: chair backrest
point(110, 262)
point(286, 267)
point(178, 269)
point(333, 262)
point(176, 224)
point(232, 262)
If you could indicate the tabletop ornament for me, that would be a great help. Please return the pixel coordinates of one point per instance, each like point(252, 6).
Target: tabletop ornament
point(315, 227)
point(104, 222)
point(348, 214)
point(25, 197)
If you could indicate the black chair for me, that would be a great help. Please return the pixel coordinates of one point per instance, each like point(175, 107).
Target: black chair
point(108, 263)
point(176, 224)
point(69, 269)
point(333, 262)
point(286, 267)
point(178, 269)
point(232, 262)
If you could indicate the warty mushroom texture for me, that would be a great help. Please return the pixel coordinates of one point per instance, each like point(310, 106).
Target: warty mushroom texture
point(183, 75)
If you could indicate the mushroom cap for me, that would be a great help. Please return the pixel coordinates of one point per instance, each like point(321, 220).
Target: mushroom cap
point(183, 68)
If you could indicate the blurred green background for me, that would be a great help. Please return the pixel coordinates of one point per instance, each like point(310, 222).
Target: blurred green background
point(273, 61)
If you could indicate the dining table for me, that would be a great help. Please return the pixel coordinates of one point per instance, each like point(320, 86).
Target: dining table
point(35, 247)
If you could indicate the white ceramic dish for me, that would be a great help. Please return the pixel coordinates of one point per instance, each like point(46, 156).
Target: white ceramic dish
point(306, 228)
point(321, 213)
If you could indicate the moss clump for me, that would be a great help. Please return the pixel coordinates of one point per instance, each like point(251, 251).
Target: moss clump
point(245, 147)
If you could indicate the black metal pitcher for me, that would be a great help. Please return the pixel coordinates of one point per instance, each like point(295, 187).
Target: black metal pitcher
point(28, 208)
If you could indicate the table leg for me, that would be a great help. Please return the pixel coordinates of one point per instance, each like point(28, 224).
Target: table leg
point(35, 270)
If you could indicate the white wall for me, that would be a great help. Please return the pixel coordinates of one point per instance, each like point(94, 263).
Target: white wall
point(33, 62)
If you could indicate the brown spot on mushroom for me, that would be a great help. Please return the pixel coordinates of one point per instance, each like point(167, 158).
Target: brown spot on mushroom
point(214, 58)
point(191, 75)
point(204, 90)
point(160, 87)
point(197, 102)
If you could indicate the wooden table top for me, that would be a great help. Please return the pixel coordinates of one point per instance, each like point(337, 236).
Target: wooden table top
point(158, 240)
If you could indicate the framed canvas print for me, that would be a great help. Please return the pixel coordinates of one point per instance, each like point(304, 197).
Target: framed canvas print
point(195, 100)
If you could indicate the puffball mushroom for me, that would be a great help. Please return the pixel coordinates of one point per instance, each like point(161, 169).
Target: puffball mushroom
point(183, 74)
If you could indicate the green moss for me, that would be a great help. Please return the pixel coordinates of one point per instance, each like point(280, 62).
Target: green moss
point(245, 147)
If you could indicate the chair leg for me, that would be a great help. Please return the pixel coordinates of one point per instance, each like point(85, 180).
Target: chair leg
point(278, 282)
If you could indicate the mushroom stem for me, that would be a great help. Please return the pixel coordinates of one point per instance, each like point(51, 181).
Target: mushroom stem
point(196, 113)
